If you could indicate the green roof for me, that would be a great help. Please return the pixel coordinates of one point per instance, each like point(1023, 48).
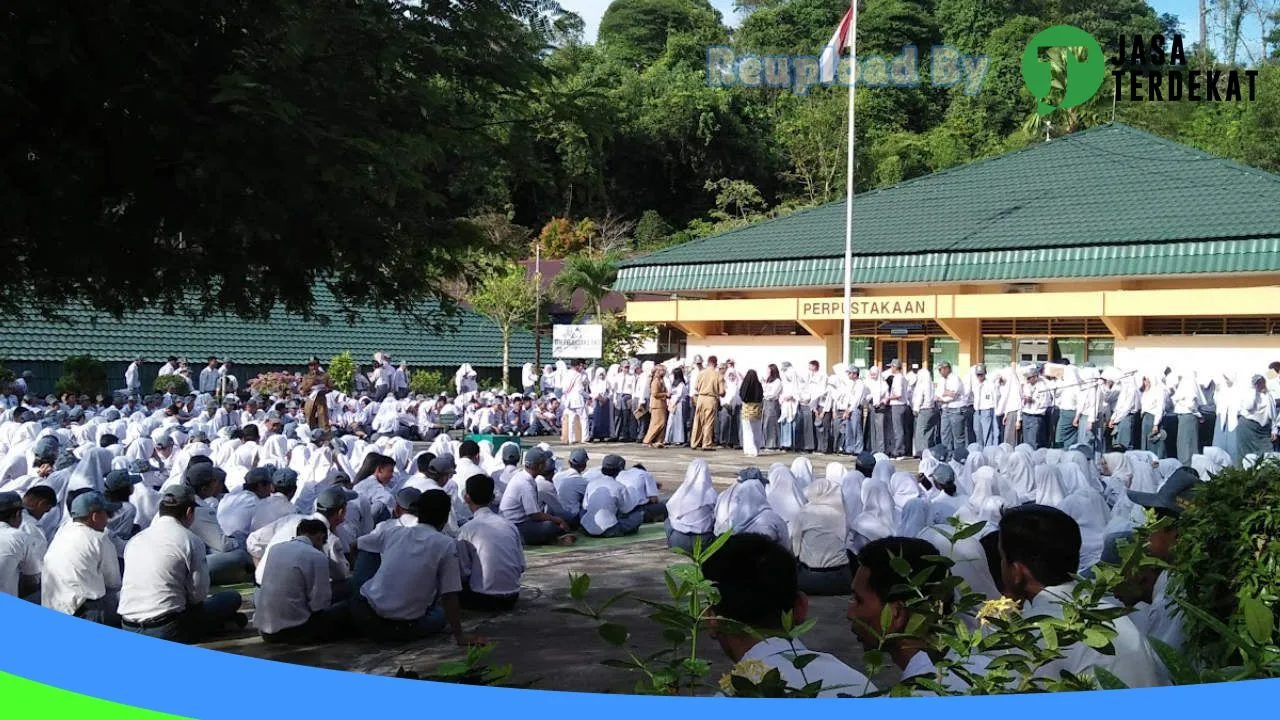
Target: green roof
point(1108, 201)
point(283, 339)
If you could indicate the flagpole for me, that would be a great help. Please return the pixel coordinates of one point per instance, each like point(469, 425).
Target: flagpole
point(849, 178)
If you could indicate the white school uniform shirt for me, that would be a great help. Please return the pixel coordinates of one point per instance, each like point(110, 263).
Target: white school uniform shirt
point(952, 388)
point(165, 571)
point(491, 554)
point(921, 665)
point(209, 378)
point(1126, 399)
point(1258, 407)
point(295, 584)
point(986, 396)
point(520, 499)
point(209, 530)
point(1133, 663)
point(605, 500)
point(270, 509)
point(836, 677)
point(570, 488)
point(1040, 398)
point(922, 393)
point(236, 511)
point(419, 564)
point(1153, 403)
point(31, 527)
point(131, 379)
point(80, 565)
point(285, 529)
point(18, 557)
point(773, 390)
point(855, 395)
point(1161, 618)
point(639, 483)
point(899, 392)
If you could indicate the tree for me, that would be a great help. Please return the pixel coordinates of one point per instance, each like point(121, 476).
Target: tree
point(651, 230)
point(270, 145)
point(592, 275)
point(510, 301)
point(635, 31)
point(735, 199)
point(1063, 121)
point(814, 135)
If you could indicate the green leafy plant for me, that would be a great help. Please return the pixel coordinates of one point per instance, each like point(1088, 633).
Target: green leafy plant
point(471, 670)
point(82, 375)
point(1227, 570)
point(342, 371)
point(175, 384)
point(6, 375)
point(427, 382)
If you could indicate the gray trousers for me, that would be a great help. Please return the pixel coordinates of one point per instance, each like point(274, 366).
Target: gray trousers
point(954, 435)
point(988, 432)
point(853, 433)
point(1010, 423)
point(1188, 437)
point(928, 431)
point(1033, 430)
point(899, 431)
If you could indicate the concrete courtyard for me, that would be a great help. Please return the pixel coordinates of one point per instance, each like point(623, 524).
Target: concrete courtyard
point(560, 651)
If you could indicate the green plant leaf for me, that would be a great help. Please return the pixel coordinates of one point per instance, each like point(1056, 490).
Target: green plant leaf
point(1258, 620)
point(1107, 680)
point(614, 633)
point(579, 585)
point(1179, 669)
point(968, 531)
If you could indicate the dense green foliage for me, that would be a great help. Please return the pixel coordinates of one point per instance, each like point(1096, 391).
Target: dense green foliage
point(1228, 559)
point(342, 371)
point(427, 382)
point(82, 375)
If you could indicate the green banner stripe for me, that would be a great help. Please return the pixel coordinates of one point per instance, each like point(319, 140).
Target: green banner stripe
point(26, 698)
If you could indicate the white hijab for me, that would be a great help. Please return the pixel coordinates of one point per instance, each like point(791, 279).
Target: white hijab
point(802, 472)
point(692, 507)
point(914, 517)
point(985, 503)
point(1048, 484)
point(879, 516)
point(905, 488)
point(783, 493)
point(1018, 474)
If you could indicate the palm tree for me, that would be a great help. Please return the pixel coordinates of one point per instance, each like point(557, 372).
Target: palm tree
point(593, 275)
point(1064, 121)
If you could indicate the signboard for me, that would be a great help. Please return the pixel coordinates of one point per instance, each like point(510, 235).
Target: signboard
point(886, 308)
point(577, 341)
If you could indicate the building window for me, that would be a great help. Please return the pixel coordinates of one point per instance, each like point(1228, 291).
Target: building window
point(1247, 325)
point(861, 352)
point(1102, 352)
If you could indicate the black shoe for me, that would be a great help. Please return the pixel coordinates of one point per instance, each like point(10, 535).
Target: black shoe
point(241, 620)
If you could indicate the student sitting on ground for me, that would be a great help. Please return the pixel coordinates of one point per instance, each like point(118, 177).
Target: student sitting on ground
point(81, 569)
point(294, 603)
point(376, 473)
point(641, 484)
point(692, 509)
point(570, 485)
point(490, 553)
point(21, 556)
point(520, 504)
point(609, 509)
point(818, 538)
point(284, 483)
point(414, 594)
point(756, 579)
point(366, 562)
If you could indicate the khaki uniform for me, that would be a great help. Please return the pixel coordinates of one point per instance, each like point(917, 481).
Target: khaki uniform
point(706, 394)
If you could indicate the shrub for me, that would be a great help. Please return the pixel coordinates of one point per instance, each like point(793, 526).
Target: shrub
point(1227, 561)
point(342, 371)
point(274, 383)
point(427, 382)
point(175, 384)
point(6, 376)
point(82, 375)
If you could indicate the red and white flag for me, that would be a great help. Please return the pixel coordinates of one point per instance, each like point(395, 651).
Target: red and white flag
point(842, 39)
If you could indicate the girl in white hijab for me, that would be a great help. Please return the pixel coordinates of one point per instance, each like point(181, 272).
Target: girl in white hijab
point(879, 516)
point(964, 477)
point(749, 512)
point(1117, 475)
point(1088, 509)
point(818, 540)
point(1048, 486)
point(1018, 475)
point(928, 462)
point(905, 488)
point(985, 503)
point(851, 500)
point(835, 473)
point(802, 471)
point(784, 494)
point(94, 465)
point(1087, 468)
point(914, 517)
point(968, 556)
point(691, 509)
point(881, 472)
point(1144, 477)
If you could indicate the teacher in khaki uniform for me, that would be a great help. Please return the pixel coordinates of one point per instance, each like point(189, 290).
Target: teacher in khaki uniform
point(706, 393)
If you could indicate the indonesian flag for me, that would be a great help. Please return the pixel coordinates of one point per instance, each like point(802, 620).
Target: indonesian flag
point(841, 40)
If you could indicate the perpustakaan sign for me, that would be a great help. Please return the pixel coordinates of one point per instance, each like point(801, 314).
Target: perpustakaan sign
point(1148, 73)
point(873, 308)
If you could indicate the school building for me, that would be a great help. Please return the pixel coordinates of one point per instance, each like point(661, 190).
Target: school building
point(1109, 246)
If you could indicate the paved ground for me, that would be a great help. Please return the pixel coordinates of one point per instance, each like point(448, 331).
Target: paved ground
point(559, 651)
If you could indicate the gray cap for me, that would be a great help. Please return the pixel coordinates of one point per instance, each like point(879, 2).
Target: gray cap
point(944, 475)
point(334, 497)
point(510, 454)
point(198, 436)
point(201, 473)
point(10, 501)
point(46, 446)
point(177, 495)
point(944, 364)
point(979, 369)
point(612, 463)
point(442, 464)
point(536, 457)
point(163, 440)
point(284, 477)
point(579, 456)
point(895, 363)
point(751, 473)
point(407, 498)
point(119, 479)
point(258, 476)
point(91, 502)
point(139, 466)
point(1174, 495)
